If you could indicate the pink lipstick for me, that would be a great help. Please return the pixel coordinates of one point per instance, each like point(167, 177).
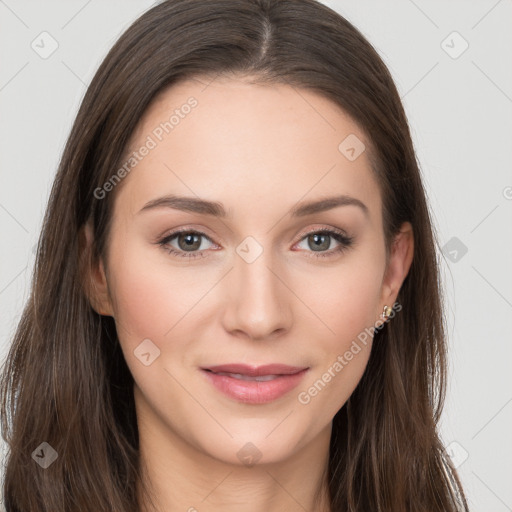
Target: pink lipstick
point(254, 384)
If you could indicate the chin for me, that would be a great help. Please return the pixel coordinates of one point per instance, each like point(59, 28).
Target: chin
point(267, 442)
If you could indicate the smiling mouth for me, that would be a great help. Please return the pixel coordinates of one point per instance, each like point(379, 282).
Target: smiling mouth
point(254, 385)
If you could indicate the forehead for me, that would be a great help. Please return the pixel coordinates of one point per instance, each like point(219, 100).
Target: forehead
point(224, 139)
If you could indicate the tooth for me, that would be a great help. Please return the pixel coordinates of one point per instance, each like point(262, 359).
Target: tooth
point(263, 378)
point(260, 378)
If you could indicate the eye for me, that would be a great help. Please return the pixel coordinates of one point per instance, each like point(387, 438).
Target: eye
point(188, 243)
point(321, 242)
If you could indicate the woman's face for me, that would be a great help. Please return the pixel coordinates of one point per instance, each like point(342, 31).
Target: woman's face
point(254, 279)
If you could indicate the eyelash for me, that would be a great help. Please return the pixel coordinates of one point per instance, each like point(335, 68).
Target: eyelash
point(344, 240)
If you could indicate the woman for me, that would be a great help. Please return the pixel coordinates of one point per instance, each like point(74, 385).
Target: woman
point(236, 301)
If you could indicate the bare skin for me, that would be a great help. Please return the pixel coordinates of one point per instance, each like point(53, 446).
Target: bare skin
point(260, 151)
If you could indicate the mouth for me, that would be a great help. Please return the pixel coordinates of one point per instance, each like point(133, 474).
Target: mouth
point(254, 384)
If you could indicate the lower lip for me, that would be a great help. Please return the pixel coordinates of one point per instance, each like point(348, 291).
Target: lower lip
point(252, 391)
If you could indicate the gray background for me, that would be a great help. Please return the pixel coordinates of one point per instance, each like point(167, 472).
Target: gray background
point(459, 106)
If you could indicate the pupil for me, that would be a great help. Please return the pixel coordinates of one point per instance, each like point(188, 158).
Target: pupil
point(317, 243)
point(191, 241)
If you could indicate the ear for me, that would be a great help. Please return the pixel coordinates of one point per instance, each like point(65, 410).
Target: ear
point(400, 259)
point(93, 275)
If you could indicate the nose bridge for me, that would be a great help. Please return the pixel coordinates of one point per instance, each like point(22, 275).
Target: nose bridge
point(258, 304)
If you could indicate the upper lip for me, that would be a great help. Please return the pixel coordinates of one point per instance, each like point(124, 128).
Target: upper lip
point(256, 371)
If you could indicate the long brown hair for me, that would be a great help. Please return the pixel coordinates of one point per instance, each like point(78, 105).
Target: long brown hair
point(65, 381)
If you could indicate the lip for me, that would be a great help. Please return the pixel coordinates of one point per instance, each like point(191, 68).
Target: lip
point(285, 379)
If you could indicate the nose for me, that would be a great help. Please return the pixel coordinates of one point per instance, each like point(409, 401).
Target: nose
point(258, 304)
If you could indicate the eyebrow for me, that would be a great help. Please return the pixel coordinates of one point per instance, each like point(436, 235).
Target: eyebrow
point(216, 209)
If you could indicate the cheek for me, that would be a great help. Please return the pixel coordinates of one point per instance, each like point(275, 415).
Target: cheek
point(156, 301)
point(346, 300)
point(141, 302)
point(149, 296)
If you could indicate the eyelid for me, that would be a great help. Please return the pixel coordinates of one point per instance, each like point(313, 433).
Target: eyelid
point(165, 239)
point(319, 228)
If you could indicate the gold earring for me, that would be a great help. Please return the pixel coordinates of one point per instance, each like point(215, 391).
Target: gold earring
point(386, 313)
